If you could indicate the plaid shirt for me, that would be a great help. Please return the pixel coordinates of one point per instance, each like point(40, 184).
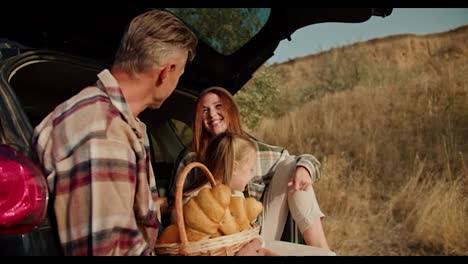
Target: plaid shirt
point(268, 158)
point(96, 158)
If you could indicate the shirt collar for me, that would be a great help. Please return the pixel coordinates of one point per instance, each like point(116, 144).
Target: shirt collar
point(109, 84)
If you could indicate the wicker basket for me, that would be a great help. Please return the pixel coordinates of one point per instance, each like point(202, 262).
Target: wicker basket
point(227, 245)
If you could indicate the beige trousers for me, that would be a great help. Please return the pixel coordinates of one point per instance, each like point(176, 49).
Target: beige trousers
point(278, 200)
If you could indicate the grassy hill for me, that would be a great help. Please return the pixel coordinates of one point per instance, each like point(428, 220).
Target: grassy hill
point(388, 119)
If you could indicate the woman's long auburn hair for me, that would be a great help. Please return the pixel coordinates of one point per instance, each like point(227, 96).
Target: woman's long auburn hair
point(231, 116)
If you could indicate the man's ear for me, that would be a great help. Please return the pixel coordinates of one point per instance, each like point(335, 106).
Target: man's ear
point(162, 75)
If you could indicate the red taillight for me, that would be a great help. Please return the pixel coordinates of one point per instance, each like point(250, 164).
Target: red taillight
point(23, 192)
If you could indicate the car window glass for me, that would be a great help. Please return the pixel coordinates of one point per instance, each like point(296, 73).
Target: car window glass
point(168, 141)
point(183, 131)
point(165, 147)
point(158, 154)
point(224, 29)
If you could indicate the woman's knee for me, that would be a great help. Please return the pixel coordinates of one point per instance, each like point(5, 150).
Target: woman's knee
point(304, 208)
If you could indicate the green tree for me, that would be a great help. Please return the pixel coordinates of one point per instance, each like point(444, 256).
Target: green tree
point(258, 98)
point(224, 29)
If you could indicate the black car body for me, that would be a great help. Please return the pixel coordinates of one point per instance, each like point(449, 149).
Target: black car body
point(48, 55)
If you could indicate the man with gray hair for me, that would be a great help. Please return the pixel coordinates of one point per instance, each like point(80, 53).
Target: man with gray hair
point(95, 151)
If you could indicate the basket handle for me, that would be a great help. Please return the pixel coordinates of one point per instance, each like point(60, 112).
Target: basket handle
point(178, 200)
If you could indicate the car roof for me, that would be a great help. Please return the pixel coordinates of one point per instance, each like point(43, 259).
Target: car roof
point(95, 33)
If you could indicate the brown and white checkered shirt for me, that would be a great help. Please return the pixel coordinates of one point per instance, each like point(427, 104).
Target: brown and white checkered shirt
point(96, 158)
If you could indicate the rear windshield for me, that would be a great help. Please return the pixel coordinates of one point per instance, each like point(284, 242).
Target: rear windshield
point(224, 29)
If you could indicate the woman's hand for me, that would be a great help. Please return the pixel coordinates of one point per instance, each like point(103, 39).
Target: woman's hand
point(300, 180)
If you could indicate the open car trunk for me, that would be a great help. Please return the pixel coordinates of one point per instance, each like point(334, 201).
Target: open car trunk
point(98, 35)
point(32, 85)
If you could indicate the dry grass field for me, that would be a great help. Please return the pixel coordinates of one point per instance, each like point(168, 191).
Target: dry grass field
point(388, 120)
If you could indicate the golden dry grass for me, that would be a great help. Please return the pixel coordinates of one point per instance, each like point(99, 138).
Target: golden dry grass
point(393, 147)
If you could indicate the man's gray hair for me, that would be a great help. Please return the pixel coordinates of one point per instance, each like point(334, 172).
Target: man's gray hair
point(151, 37)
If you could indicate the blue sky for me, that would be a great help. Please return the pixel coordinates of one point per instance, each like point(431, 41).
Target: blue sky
point(321, 37)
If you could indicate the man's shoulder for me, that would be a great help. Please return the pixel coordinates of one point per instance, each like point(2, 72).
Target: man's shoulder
point(72, 107)
point(90, 105)
point(89, 97)
point(85, 115)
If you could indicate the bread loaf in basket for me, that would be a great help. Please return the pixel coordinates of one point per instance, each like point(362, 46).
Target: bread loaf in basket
point(213, 222)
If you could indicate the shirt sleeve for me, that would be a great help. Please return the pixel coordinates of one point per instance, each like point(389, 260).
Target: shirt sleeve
point(94, 201)
point(311, 164)
point(308, 161)
point(270, 156)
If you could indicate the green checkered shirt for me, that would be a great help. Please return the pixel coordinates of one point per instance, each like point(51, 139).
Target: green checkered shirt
point(268, 158)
